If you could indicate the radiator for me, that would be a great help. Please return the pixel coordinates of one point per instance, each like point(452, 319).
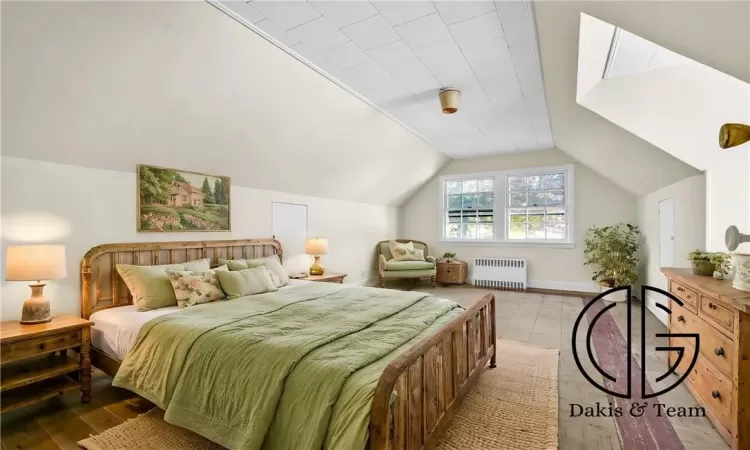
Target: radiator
point(499, 273)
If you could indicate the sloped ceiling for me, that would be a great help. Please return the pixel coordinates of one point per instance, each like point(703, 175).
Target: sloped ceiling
point(180, 84)
point(713, 33)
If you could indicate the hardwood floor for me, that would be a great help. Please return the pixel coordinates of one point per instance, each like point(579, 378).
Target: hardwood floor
point(535, 318)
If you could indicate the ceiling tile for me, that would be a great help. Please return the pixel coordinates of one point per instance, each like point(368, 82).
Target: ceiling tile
point(343, 13)
point(456, 11)
point(345, 55)
point(503, 91)
point(423, 31)
point(490, 58)
point(319, 34)
point(446, 62)
point(415, 77)
point(392, 55)
point(397, 13)
point(477, 30)
point(372, 76)
point(516, 23)
point(286, 14)
point(277, 32)
point(371, 33)
point(246, 11)
point(310, 54)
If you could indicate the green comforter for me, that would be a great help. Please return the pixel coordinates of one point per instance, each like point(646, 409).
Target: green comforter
point(293, 369)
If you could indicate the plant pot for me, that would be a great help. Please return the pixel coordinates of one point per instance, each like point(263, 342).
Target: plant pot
point(741, 271)
point(614, 297)
point(705, 268)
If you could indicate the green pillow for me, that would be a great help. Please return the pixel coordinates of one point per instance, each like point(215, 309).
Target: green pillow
point(239, 283)
point(278, 273)
point(198, 265)
point(149, 285)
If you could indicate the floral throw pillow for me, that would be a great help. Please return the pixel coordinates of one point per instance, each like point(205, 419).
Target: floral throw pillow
point(193, 288)
point(407, 254)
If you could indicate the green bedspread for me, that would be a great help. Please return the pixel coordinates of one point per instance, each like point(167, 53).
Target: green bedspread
point(293, 369)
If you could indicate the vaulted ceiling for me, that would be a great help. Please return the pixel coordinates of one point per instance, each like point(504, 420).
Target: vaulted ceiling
point(399, 54)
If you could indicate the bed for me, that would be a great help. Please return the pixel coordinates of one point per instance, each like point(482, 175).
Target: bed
point(415, 392)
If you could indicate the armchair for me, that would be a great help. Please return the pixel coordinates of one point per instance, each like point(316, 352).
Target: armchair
point(388, 269)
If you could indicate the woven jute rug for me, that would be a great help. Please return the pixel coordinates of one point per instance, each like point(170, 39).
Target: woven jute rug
point(513, 407)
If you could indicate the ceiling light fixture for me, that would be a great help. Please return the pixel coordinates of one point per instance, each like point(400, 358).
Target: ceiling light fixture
point(449, 100)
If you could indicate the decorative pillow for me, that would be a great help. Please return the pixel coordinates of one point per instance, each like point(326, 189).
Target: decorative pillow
point(149, 285)
point(277, 271)
point(405, 252)
point(193, 287)
point(238, 283)
point(198, 265)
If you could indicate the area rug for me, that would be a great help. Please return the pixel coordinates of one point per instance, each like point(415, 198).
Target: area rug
point(513, 406)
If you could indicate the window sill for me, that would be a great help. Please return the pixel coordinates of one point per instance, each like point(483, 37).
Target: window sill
point(516, 244)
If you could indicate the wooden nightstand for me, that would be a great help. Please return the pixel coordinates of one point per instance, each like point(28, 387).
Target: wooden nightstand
point(36, 364)
point(328, 277)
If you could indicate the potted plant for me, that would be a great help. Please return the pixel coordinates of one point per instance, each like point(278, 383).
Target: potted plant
point(448, 256)
point(710, 263)
point(613, 250)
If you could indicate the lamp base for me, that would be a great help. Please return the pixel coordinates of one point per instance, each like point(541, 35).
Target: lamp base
point(36, 309)
point(316, 268)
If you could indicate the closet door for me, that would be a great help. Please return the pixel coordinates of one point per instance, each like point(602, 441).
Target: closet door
point(666, 238)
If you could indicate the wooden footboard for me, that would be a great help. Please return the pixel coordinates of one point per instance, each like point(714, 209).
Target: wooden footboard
point(431, 380)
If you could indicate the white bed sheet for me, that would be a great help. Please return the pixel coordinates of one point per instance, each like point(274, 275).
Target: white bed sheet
point(115, 329)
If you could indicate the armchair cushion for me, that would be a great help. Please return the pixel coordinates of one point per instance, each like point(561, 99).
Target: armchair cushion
point(390, 274)
point(408, 265)
point(385, 248)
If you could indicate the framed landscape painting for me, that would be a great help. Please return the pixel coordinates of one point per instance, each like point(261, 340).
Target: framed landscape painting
point(178, 200)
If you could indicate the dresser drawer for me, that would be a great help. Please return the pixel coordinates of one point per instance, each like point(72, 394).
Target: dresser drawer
point(716, 348)
point(687, 295)
point(714, 390)
point(721, 315)
point(17, 351)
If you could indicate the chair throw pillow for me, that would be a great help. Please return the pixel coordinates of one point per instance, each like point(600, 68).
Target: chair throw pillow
point(406, 252)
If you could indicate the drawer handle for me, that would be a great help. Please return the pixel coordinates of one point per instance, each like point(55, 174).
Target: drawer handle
point(715, 394)
point(680, 289)
point(711, 305)
point(719, 351)
point(680, 318)
point(42, 346)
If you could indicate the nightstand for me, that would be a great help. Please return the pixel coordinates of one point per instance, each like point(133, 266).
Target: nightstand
point(331, 277)
point(36, 364)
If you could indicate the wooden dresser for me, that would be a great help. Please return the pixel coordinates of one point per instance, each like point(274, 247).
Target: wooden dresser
point(720, 380)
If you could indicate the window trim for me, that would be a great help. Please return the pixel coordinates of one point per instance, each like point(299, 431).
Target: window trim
point(500, 211)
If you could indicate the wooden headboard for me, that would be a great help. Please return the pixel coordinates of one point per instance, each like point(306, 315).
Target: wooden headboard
point(102, 287)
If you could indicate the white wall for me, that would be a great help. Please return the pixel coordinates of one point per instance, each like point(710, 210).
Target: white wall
point(597, 202)
point(82, 208)
point(689, 232)
point(110, 85)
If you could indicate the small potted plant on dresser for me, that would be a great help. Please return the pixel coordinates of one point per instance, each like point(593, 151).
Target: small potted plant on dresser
point(613, 250)
point(710, 263)
point(451, 270)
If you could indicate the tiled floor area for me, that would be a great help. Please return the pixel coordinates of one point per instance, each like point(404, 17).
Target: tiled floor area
point(545, 320)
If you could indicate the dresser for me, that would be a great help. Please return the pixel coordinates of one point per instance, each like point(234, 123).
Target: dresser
point(720, 379)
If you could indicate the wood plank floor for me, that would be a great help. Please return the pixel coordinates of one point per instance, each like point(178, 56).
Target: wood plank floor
point(540, 319)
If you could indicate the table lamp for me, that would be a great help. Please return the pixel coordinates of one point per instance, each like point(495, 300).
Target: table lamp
point(317, 247)
point(35, 263)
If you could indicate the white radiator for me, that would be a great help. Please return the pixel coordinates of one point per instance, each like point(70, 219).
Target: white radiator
point(499, 273)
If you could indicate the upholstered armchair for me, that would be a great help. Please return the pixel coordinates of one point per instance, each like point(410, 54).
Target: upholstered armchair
point(390, 270)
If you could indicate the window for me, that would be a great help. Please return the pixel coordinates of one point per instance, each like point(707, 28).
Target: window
point(529, 205)
point(184, 199)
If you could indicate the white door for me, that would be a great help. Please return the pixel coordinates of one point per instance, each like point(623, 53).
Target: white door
point(289, 226)
point(666, 238)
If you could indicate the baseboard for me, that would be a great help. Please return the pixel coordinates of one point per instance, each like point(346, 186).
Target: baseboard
point(658, 312)
point(574, 286)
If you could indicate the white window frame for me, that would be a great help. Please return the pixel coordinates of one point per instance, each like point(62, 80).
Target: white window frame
point(500, 208)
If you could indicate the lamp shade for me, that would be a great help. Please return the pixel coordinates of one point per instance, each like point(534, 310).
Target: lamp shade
point(35, 262)
point(316, 246)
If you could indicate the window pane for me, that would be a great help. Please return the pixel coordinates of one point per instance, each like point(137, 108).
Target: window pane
point(534, 182)
point(516, 183)
point(517, 199)
point(451, 231)
point(555, 197)
point(486, 186)
point(469, 230)
point(556, 230)
point(469, 219)
point(555, 215)
point(454, 201)
point(454, 218)
point(486, 230)
point(536, 228)
point(470, 186)
point(554, 181)
point(517, 230)
point(488, 218)
point(517, 216)
point(536, 198)
point(486, 200)
point(470, 201)
point(453, 187)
